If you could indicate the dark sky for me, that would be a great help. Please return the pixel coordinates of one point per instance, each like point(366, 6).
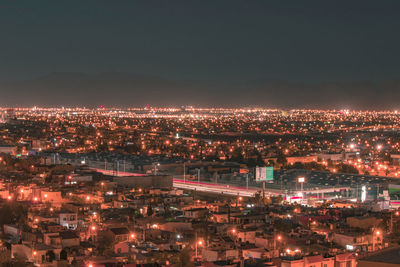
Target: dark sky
point(219, 47)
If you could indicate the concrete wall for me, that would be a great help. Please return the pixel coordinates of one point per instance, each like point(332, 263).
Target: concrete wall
point(151, 181)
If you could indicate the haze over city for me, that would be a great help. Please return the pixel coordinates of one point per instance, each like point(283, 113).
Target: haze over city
point(276, 54)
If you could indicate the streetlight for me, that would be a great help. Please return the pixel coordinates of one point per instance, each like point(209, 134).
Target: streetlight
point(375, 235)
point(276, 238)
point(301, 180)
point(397, 214)
point(184, 172)
point(198, 175)
point(198, 243)
point(155, 164)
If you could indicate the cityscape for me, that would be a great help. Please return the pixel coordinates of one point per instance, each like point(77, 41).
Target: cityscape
point(199, 186)
point(224, 133)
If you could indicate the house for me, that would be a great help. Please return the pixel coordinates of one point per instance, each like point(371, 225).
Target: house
point(69, 239)
point(12, 232)
point(62, 239)
point(387, 258)
point(358, 241)
point(364, 222)
point(195, 213)
point(209, 254)
point(38, 254)
point(69, 220)
point(119, 234)
point(311, 261)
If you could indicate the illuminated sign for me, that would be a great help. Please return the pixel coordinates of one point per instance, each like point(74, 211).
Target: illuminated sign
point(264, 174)
point(363, 193)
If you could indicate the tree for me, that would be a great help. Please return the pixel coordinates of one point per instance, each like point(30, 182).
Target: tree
point(184, 259)
point(105, 242)
point(281, 159)
point(149, 210)
point(237, 155)
point(5, 256)
point(50, 256)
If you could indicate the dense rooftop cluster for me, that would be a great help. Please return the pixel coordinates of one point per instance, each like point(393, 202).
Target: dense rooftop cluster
point(122, 187)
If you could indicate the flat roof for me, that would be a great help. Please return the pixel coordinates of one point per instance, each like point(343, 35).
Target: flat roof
point(389, 256)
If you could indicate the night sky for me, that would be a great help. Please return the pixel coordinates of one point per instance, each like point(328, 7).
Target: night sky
point(322, 54)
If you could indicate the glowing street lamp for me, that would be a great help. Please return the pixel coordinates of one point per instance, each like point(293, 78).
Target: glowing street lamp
point(375, 236)
point(198, 243)
point(155, 165)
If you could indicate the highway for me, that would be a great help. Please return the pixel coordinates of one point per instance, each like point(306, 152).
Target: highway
point(226, 189)
point(215, 188)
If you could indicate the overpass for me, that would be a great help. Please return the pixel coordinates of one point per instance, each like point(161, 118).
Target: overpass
point(230, 189)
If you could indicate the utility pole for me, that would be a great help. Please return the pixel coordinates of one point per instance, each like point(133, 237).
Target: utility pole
point(263, 192)
point(184, 173)
point(117, 167)
point(196, 245)
point(198, 175)
point(391, 222)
